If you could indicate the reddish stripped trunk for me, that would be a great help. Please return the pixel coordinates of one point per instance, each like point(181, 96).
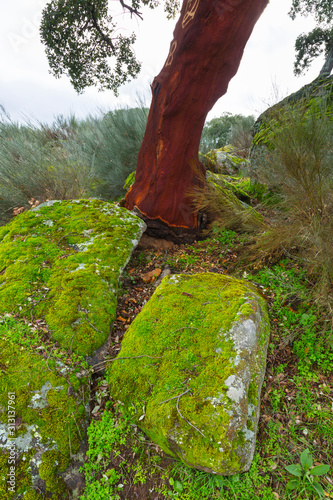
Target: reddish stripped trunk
point(205, 53)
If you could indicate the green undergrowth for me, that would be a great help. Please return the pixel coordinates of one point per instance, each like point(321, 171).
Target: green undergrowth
point(111, 474)
point(296, 410)
point(300, 320)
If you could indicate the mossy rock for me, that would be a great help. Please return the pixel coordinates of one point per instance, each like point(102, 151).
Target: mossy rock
point(225, 160)
point(235, 184)
point(43, 417)
point(62, 262)
point(191, 369)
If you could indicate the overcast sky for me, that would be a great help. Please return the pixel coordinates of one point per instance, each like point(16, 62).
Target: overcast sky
point(27, 90)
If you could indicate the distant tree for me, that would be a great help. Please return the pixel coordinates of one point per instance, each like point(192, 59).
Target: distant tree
point(319, 40)
point(205, 53)
point(220, 131)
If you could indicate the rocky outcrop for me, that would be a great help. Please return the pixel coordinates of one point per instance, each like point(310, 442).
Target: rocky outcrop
point(59, 271)
point(191, 369)
point(318, 93)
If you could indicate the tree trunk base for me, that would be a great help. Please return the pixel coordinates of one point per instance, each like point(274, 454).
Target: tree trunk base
point(179, 235)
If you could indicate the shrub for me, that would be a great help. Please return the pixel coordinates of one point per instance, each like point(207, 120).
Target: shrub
point(227, 129)
point(68, 159)
point(299, 170)
point(109, 145)
point(35, 165)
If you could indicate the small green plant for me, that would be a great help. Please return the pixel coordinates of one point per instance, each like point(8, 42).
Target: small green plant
point(104, 438)
point(177, 487)
point(224, 236)
point(306, 476)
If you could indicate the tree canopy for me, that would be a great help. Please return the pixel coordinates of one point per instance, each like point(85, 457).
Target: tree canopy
point(318, 41)
point(83, 41)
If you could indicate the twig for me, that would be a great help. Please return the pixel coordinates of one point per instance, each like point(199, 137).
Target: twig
point(126, 357)
point(47, 361)
point(177, 406)
point(175, 397)
point(131, 9)
point(92, 326)
point(183, 328)
point(77, 427)
point(69, 442)
point(189, 423)
point(65, 236)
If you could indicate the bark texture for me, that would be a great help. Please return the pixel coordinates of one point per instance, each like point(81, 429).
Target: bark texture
point(208, 44)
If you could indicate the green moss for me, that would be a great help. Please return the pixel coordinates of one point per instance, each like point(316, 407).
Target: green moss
point(63, 263)
point(32, 495)
point(52, 463)
point(129, 181)
point(316, 95)
point(47, 411)
point(179, 360)
point(22, 475)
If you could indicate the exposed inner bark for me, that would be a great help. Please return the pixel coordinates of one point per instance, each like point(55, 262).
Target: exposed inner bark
point(208, 44)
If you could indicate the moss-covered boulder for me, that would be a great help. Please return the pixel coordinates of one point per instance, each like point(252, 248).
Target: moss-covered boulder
point(59, 271)
point(191, 369)
point(43, 416)
point(225, 160)
point(62, 262)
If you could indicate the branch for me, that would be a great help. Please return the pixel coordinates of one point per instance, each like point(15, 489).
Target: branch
point(98, 29)
point(189, 423)
point(326, 70)
point(131, 9)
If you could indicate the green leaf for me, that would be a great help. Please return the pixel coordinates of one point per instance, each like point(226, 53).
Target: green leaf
point(318, 488)
point(295, 470)
point(306, 459)
point(178, 486)
point(320, 470)
point(292, 485)
point(171, 481)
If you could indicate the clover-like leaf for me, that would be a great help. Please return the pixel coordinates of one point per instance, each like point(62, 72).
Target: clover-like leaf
point(178, 486)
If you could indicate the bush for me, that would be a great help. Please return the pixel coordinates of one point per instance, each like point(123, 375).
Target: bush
point(68, 159)
point(109, 145)
point(35, 166)
point(228, 129)
point(299, 169)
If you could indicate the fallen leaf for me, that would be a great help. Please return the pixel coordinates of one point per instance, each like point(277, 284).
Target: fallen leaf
point(121, 319)
point(151, 275)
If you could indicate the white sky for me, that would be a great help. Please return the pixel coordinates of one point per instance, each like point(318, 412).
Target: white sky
point(28, 90)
